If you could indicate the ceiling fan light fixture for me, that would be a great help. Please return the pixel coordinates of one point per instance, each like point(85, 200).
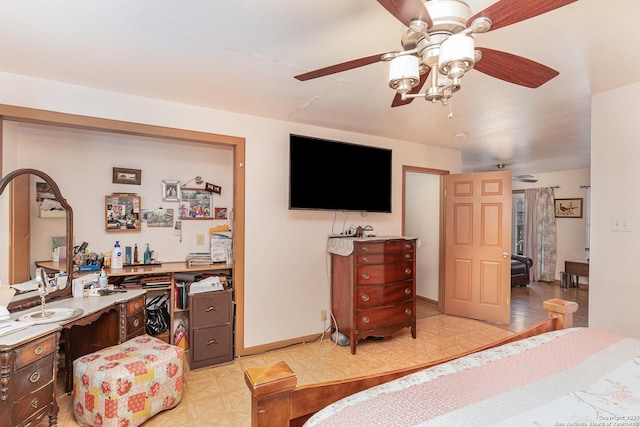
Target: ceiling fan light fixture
point(457, 56)
point(404, 73)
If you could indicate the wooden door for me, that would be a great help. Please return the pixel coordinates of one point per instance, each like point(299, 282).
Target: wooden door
point(478, 246)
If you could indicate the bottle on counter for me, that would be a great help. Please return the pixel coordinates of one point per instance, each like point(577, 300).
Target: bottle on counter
point(117, 260)
point(147, 255)
point(103, 280)
point(135, 253)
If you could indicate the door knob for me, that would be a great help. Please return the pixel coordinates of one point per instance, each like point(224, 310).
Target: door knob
point(505, 254)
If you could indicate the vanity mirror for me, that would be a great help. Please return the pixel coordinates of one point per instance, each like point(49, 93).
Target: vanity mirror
point(30, 229)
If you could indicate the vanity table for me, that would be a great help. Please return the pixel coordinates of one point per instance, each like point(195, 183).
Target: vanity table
point(29, 357)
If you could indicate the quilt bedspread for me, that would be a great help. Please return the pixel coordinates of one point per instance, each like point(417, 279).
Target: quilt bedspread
point(572, 377)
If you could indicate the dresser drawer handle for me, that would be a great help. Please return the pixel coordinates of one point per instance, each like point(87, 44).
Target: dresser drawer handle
point(365, 297)
point(407, 311)
point(407, 256)
point(407, 271)
point(365, 276)
point(38, 350)
point(212, 308)
point(136, 322)
point(34, 403)
point(365, 319)
point(33, 378)
point(365, 249)
point(213, 341)
point(365, 259)
point(136, 305)
point(407, 291)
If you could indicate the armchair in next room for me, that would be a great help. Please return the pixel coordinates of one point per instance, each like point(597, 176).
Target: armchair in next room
point(520, 266)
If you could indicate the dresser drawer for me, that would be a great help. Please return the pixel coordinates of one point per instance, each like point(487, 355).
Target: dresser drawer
point(32, 403)
point(211, 308)
point(212, 343)
point(374, 296)
point(384, 273)
point(135, 305)
point(34, 351)
point(384, 316)
point(386, 246)
point(34, 376)
point(390, 257)
point(135, 323)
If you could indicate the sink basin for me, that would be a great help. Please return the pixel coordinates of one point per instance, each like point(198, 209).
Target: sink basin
point(51, 315)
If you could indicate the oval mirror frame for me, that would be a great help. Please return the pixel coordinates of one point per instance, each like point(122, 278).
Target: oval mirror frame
point(35, 300)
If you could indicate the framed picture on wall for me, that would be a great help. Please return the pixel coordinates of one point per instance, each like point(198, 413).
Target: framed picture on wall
point(195, 203)
point(127, 176)
point(122, 212)
point(170, 191)
point(220, 213)
point(568, 208)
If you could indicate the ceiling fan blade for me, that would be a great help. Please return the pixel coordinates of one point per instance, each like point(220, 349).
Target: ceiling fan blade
point(397, 100)
point(507, 12)
point(513, 69)
point(344, 66)
point(407, 10)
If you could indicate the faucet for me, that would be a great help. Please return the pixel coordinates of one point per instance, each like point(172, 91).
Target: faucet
point(44, 288)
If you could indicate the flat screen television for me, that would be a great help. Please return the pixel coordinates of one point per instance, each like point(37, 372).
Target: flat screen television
point(339, 176)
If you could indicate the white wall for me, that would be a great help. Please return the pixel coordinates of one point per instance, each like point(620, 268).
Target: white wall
point(286, 275)
point(614, 291)
point(81, 163)
point(422, 220)
point(571, 232)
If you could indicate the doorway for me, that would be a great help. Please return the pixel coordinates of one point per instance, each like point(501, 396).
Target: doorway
point(422, 198)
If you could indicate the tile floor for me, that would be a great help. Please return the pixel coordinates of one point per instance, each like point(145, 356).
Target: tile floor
point(218, 396)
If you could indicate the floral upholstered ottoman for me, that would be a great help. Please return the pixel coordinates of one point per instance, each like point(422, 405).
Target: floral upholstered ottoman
point(126, 384)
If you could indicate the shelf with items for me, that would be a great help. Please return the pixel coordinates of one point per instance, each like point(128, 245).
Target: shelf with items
point(157, 278)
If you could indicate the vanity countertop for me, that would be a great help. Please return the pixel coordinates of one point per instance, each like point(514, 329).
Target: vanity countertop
point(88, 305)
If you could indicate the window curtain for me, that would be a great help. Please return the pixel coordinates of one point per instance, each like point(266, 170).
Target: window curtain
point(540, 233)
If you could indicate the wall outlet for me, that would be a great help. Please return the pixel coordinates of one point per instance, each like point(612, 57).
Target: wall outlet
point(199, 239)
point(323, 315)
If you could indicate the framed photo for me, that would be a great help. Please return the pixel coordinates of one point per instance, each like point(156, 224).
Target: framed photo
point(127, 176)
point(568, 208)
point(220, 213)
point(195, 203)
point(171, 191)
point(160, 218)
point(122, 213)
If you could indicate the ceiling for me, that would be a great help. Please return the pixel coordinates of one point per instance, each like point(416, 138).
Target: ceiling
point(241, 56)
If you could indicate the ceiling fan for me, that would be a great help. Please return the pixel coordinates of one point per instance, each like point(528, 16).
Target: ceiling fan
point(518, 178)
point(438, 45)
point(524, 178)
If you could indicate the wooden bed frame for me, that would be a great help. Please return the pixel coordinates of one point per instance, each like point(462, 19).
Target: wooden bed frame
point(277, 401)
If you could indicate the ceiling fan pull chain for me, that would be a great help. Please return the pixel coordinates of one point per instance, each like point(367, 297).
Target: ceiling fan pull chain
point(450, 115)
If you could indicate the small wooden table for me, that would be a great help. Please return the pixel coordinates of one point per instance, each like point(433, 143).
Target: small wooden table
point(573, 270)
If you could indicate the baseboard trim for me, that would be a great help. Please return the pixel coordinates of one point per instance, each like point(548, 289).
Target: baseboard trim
point(252, 351)
point(425, 299)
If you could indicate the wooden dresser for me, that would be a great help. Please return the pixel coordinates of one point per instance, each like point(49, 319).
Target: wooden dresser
point(27, 382)
point(211, 328)
point(373, 287)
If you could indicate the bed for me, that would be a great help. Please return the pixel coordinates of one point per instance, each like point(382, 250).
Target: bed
point(550, 374)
